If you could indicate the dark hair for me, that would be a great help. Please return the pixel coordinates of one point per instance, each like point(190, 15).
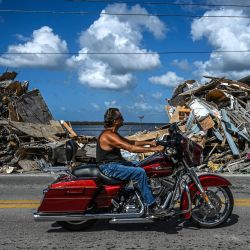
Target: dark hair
point(109, 117)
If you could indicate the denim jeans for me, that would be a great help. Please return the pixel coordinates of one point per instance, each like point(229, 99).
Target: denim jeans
point(129, 171)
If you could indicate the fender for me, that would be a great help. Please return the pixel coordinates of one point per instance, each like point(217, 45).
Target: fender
point(207, 180)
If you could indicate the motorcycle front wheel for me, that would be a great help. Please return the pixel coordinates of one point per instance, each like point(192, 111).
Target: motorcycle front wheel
point(223, 202)
point(76, 225)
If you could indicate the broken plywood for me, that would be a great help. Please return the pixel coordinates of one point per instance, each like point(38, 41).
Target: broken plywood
point(32, 108)
point(148, 135)
point(49, 132)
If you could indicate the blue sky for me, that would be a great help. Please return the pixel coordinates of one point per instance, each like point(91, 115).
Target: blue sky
point(80, 86)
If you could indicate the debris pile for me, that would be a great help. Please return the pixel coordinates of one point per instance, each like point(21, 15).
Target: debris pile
point(217, 116)
point(28, 132)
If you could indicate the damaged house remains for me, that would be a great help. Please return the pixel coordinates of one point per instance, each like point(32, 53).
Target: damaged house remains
point(216, 115)
point(28, 132)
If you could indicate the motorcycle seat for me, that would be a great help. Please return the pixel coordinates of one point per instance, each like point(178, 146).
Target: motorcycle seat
point(92, 171)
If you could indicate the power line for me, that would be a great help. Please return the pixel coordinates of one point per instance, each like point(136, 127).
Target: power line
point(125, 53)
point(163, 3)
point(118, 14)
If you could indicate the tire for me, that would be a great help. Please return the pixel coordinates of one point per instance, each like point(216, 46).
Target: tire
point(76, 225)
point(212, 219)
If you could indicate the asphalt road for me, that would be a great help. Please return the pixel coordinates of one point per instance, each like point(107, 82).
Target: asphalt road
point(19, 195)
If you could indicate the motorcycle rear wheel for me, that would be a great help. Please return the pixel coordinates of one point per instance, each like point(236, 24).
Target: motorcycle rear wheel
point(222, 200)
point(76, 225)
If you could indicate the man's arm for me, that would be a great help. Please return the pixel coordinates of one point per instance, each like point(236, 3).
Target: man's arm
point(143, 143)
point(139, 143)
point(116, 141)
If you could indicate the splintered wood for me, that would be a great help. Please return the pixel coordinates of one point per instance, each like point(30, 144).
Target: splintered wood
point(220, 118)
point(28, 132)
point(216, 115)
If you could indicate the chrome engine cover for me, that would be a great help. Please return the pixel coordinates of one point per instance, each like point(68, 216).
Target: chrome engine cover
point(131, 205)
point(155, 185)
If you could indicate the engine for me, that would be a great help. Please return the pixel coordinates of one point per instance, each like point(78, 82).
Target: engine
point(128, 201)
point(155, 185)
point(132, 206)
point(160, 186)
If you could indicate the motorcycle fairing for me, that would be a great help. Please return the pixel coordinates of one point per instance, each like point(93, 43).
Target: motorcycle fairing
point(207, 180)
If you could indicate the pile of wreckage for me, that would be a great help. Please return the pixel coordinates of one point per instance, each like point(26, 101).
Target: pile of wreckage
point(29, 136)
point(216, 115)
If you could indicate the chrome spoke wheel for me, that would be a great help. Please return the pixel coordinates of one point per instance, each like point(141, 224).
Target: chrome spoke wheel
point(222, 201)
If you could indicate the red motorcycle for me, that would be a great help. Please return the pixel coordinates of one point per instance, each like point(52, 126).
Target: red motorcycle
point(77, 199)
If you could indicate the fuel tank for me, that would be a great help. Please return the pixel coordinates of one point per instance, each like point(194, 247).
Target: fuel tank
point(157, 165)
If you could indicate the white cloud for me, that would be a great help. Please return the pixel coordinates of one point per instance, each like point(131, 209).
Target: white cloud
point(43, 40)
point(157, 95)
point(143, 107)
point(95, 106)
point(22, 38)
point(62, 108)
point(182, 64)
point(151, 23)
point(230, 2)
point(159, 108)
point(170, 79)
point(116, 34)
point(141, 97)
point(111, 104)
point(222, 4)
point(224, 34)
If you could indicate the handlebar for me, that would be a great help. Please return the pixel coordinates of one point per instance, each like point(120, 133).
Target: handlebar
point(179, 145)
point(172, 141)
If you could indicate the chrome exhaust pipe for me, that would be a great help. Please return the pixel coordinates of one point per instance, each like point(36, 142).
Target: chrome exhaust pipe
point(80, 217)
point(166, 202)
point(59, 217)
point(132, 220)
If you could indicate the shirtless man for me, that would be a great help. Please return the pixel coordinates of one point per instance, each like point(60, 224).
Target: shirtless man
point(112, 164)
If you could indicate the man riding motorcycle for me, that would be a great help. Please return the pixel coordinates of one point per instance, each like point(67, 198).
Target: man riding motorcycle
point(112, 164)
point(79, 198)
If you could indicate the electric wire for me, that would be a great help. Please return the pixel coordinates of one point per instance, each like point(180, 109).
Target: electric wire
point(130, 14)
point(120, 14)
point(163, 3)
point(124, 53)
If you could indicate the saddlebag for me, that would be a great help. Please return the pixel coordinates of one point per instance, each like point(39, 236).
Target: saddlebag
point(68, 196)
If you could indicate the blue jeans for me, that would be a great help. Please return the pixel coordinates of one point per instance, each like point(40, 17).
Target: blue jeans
point(130, 171)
